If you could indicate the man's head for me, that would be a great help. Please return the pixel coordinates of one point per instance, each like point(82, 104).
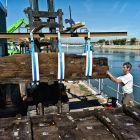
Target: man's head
point(127, 67)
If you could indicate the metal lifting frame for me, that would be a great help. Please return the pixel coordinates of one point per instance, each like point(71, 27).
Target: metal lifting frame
point(34, 16)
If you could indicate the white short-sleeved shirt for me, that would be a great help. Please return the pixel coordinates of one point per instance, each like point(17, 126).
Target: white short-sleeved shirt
point(128, 83)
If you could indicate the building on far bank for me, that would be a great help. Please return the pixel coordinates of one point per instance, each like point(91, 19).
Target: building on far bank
point(3, 42)
point(136, 41)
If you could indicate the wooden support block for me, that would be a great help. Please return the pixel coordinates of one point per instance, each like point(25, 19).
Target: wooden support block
point(18, 68)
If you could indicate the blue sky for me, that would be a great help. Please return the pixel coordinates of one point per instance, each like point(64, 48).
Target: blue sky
point(99, 15)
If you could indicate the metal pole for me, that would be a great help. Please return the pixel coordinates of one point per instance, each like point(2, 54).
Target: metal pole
point(118, 90)
point(102, 86)
point(70, 15)
point(67, 48)
point(89, 82)
point(99, 86)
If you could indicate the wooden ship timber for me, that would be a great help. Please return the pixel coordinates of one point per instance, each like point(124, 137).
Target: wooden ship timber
point(16, 75)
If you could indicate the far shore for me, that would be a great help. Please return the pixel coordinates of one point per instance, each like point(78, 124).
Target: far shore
point(113, 48)
point(128, 47)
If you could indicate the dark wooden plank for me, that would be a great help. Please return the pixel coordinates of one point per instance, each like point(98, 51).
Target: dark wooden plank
point(133, 112)
point(121, 125)
point(76, 126)
point(44, 127)
point(138, 107)
point(17, 68)
point(15, 128)
point(90, 126)
point(87, 125)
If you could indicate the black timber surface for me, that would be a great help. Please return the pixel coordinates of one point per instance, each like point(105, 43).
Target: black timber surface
point(99, 124)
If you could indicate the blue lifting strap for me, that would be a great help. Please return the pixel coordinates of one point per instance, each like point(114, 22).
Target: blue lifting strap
point(60, 60)
point(35, 63)
point(88, 59)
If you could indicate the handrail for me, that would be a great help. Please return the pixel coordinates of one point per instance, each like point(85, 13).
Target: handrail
point(101, 84)
point(136, 86)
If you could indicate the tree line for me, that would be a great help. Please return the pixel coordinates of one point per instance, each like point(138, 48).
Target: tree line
point(122, 41)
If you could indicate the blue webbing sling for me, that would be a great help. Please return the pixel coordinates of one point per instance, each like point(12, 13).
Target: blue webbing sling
point(35, 65)
point(88, 58)
point(61, 63)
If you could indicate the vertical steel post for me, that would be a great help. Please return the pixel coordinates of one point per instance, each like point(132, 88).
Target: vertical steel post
point(118, 90)
point(102, 86)
point(89, 82)
point(70, 15)
point(99, 86)
point(67, 48)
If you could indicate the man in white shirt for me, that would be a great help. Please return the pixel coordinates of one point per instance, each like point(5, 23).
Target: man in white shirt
point(127, 81)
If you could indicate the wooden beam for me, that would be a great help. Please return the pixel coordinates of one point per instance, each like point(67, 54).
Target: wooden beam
point(116, 121)
point(133, 112)
point(74, 27)
point(63, 35)
point(14, 127)
point(17, 68)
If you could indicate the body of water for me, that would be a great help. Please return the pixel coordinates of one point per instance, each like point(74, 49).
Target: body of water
point(116, 58)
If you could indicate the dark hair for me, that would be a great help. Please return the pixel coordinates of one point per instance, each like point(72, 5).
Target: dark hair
point(128, 65)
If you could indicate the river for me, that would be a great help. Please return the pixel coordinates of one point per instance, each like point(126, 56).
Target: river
point(116, 58)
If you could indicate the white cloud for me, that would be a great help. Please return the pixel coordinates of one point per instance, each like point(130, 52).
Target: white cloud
point(88, 6)
point(124, 6)
point(116, 5)
point(137, 14)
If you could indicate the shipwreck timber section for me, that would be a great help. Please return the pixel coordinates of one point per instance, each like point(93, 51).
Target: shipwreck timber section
point(99, 124)
point(18, 67)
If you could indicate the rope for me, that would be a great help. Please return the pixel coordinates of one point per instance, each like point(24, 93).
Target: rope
point(35, 63)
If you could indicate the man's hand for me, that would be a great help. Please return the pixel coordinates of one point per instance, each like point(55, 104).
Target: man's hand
point(109, 74)
point(113, 78)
